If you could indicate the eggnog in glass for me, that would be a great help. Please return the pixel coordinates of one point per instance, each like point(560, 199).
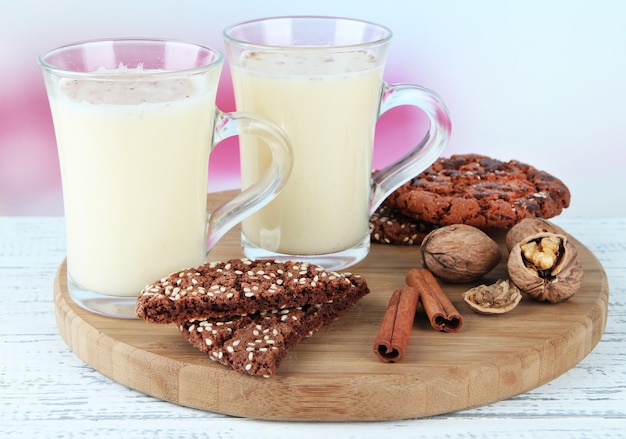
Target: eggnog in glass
point(321, 80)
point(134, 123)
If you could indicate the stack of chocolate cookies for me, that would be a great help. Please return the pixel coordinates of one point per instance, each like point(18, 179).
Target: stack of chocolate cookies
point(248, 314)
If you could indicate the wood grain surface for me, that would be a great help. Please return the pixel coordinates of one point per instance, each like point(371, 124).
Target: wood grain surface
point(334, 375)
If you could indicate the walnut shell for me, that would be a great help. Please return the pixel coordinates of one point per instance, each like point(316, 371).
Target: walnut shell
point(546, 267)
point(528, 227)
point(498, 298)
point(459, 253)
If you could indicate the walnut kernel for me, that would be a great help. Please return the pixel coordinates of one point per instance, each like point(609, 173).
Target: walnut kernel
point(543, 253)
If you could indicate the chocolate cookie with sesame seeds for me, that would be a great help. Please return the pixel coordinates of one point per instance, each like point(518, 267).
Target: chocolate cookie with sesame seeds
point(480, 191)
point(388, 226)
point(242, 286)
point(256, 344)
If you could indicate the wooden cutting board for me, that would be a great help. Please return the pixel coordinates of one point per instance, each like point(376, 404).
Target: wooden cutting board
point(334, 375)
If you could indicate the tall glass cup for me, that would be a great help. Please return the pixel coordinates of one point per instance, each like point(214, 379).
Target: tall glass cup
point(321, 80)
point(135, 122)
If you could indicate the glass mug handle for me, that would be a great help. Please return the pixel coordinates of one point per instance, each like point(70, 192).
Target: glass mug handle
point(253, 198)
point(425, 153)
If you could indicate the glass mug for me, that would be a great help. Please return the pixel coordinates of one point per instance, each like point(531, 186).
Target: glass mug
point(321, 80)
point(135, 121)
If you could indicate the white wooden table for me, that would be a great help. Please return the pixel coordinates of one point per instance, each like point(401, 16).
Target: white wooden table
point(45, 391)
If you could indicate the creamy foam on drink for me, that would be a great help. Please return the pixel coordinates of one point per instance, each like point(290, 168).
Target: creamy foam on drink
point(154, 137)
point(327, 104)
point(133, 88)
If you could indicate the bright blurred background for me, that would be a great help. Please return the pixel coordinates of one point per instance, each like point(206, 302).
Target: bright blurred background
point(542, 82)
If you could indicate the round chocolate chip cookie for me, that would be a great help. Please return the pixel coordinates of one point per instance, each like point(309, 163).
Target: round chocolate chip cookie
point(479, 191)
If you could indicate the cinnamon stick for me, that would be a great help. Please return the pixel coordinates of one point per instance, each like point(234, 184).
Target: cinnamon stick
point(393, 335)
point(441, 313)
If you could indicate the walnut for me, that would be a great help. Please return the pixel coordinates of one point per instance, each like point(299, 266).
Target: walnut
point(497, 298)
point(546, 267)
point(527, 227)
point(459, 253)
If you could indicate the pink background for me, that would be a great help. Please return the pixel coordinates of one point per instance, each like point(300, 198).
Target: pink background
point(541, 82)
